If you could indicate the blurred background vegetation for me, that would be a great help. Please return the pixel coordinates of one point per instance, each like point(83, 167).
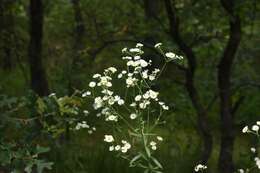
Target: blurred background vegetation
point(54, 46)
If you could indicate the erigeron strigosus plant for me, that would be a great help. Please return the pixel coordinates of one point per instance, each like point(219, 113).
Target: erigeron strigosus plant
point(254, 129)
point(139, 109)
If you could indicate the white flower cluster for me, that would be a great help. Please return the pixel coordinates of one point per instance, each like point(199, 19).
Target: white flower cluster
point(257, 162)
point(84, 125)
point(254, 128)
point(124, 147)
point(200, 167)
point(173, 56)
point(153, 144)
point(139, 110)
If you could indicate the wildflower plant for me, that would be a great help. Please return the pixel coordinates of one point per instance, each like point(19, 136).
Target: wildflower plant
point(134, 115)
point(254, 129)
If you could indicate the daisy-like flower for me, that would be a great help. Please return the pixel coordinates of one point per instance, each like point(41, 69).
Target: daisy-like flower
point(158, 45)
point(135, 50)
point(245, 129)
point(111, 148)
point(170, 55)
point(92, 84)
point(120, 102)
point(159, 138)
point(109, 138)
point(200, 167)
point(133, 116)
point(139, 45)
point(255, 128)
point(85, 94)
point(124, 50)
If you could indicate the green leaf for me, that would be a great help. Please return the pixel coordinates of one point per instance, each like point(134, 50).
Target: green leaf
point(41, 164)
point(137, 157)
point(157, 162)
point(40, 149)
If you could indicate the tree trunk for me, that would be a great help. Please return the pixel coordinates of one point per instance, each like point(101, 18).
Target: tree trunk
point(39, 82)
point(224, 85)
point(78, 46)
point(203, 125)
point(7, 34)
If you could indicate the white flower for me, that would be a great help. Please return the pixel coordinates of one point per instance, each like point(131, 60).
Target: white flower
point(117, 147)
point(112, 118)
point(120, 76)
point(138, 98)
point(253, 150)
point(135, 50)
point(124, 50)
point(170, 55)
point(111, 101)
point(124, 150)
point(200, 167)
point(241, 171)
point(126, 146)
point(257, 161)
point(144, 74)
point(111, 69)
point(120, 102)
point(146, 95)
point(154, 147)
point(165, 107)
point(111, 148)
point(133, 116)
point(151, 77)
point(130, 81)
point(152, 143)
point(143, 63)
point(139, 45)
point(98, 103)
point(258, 123)
point(153, 94)
point(86, 112)
point(137, 57)
point(255, 128)
point(107, 92)
point(109, 138)
point(96, 75)
point(85, 94)
point(159, 138)
point(133, 104)
point(142, 105)
point(92, 84)
point(52, 95)
point(245, 129)
point(117, 98)
point(158, 45)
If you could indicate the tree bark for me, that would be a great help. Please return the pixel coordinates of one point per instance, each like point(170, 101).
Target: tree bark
point(39, 82)
point(78, 46)
point(224, 85)
point(7, 34)
point(202, 121)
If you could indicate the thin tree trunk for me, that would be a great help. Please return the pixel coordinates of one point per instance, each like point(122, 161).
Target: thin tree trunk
point(39, 82)
point(7, 34)
point(224, 85)
point(202, 120)
point(78, 46)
